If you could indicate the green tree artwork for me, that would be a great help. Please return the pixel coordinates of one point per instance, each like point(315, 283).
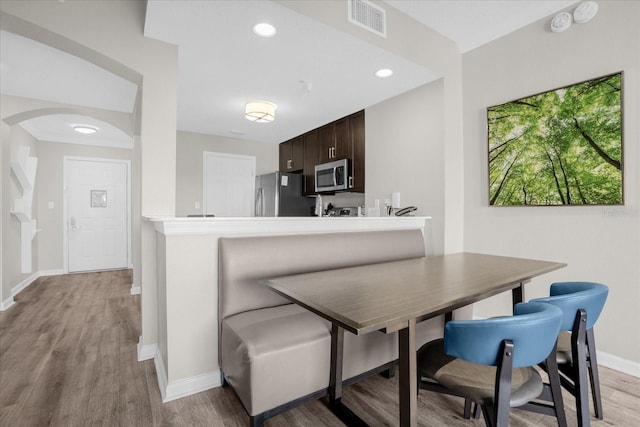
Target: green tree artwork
point(561, 147)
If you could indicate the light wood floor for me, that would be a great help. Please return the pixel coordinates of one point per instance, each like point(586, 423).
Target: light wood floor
point(68, 358)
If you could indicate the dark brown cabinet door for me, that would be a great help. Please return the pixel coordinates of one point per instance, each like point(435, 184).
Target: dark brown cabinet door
point(285, 156)
point(342, 139)
point(335, 141)
point(356, 123)
point(311, 154)
point(292, 155)
point(325, 143)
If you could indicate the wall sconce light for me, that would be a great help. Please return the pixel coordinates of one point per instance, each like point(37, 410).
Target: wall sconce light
point(260, 111)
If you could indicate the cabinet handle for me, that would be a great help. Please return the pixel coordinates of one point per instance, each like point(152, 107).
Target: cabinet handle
point(329, 152)
point(289, 164)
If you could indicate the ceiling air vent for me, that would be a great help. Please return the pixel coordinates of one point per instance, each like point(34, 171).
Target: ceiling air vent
point(368, 15)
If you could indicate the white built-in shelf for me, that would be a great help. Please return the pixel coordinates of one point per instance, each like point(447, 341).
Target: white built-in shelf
point(24, 168)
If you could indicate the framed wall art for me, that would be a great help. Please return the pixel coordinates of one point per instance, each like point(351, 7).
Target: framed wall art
point(560, 147)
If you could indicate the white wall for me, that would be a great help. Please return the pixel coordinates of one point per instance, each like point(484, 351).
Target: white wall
point(110, 34)
point(598, 243)
point(189, 149)
point(14, 137)
point(404, 153)
point(50, 181)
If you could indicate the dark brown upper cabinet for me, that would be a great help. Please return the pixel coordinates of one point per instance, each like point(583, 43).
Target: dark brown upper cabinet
point(292, 155)
point(311, 153)
point(342, 139)
point(335, 140)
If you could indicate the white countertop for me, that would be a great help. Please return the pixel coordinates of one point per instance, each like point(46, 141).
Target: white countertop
point(243, 225)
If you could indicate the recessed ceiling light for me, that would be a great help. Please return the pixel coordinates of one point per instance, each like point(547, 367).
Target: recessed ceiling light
point(385, 72)
point(86, 130)
point(264, 30)
point(561, 22)
point(585, 12)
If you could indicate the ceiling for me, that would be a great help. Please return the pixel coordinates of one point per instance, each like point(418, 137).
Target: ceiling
point(313, 73)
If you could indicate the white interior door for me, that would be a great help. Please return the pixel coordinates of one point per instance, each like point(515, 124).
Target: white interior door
point(97, 214)
point(229, 184)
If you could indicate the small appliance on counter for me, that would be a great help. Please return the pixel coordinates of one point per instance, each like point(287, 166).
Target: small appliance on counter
point(334, 211)
point(280, 194)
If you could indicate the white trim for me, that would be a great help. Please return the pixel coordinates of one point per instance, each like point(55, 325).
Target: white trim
point(51, 272)
point(135, 289)
point(146, 352)
point(619, 364)
point(184, 387)
point(65, 234)
point(4, 305)
point(161, 374)
point(285, 225)
point(192, 385)
point(22, 285)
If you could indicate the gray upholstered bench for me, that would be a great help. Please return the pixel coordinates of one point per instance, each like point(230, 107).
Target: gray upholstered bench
point(276, 354)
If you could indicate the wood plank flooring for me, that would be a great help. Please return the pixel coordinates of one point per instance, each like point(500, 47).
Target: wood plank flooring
point(68, 358)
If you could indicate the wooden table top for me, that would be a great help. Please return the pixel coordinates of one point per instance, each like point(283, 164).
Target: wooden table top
point(386, 295)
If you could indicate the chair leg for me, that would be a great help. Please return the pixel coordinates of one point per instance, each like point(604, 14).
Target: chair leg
point(488, 414)
point(551, 366)
point(467, 409)
point(579, 355)
point(593, 374)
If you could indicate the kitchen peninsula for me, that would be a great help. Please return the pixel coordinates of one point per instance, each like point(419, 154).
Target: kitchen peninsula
point(186, 293)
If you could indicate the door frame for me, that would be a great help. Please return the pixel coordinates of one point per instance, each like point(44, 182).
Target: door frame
point(65, 224)
point(205, 156)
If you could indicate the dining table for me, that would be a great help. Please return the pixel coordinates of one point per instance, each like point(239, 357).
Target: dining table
point(393, 297)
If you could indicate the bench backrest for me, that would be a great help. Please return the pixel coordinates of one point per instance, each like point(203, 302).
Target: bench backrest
point(244, 261)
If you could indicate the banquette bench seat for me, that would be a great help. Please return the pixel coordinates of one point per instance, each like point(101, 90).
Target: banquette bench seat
point(275, 354)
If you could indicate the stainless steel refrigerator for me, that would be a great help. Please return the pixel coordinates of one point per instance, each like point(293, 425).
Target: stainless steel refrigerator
point(280, 194)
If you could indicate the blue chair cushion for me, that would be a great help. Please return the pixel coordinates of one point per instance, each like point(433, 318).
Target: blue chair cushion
point(533, 329)
point(572, 296)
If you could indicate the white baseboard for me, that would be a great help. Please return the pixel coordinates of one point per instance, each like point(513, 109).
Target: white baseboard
point(161, 374)
point(25, 283)
point(51, 272)
point(22, 285)
point(184, 387)
point(619, 364)
point(146, 352)
point(135, 289)
point(192, 385)
point(6, 303)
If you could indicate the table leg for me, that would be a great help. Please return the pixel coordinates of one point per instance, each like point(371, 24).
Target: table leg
point(517, 294)
point(345, 414)
point(335, 380)
point(408, 386)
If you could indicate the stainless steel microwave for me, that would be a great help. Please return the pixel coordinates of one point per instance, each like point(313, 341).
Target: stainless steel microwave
point(332, 176)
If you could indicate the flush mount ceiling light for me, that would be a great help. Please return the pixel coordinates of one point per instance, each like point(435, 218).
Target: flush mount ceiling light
point(264, 30)
point(585, 12)
point(385, 72)
point(260, 111)
point(561, 22)
point(85, 130)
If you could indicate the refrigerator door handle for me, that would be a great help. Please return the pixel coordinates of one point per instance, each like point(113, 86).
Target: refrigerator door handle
point(258, 203)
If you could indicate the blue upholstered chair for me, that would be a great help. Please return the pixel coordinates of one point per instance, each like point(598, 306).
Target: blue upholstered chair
point(581, 304)
point(492, 362)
